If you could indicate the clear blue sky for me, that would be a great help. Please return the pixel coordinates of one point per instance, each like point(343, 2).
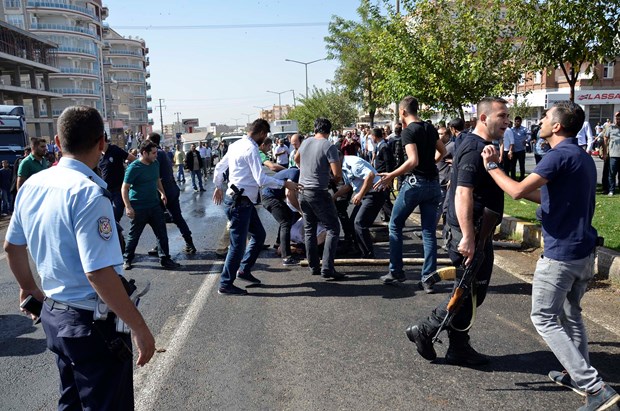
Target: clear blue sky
point(218, 74)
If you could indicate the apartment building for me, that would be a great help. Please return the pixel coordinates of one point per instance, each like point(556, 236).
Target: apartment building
point(84, 43)
point(26, 63)
point(597, 92)
point(125, 73)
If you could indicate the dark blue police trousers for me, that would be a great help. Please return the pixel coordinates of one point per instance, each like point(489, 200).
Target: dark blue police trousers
point(91, 376)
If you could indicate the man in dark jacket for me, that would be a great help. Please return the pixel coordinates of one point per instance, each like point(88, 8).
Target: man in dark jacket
point(194, 163)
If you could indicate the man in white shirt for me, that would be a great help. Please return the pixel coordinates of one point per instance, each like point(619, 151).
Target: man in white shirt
point(245, 177)
point(281, 153)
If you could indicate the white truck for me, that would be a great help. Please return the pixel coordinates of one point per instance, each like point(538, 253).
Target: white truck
point(283, 128)
point(13, 134)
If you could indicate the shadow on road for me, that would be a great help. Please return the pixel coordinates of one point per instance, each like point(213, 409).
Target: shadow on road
point(11, 344)
point(327, 288)
point(513, 288)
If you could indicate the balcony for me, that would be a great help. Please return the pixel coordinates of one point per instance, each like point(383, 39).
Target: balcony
point(77, 70)
point(63, 27)
point(147, 74)
point(148, 86)
point(125, 66)
point(13, 4)
point(62, 6)
point(137, 106)
point(76, 91)
point(68, 49)
point(116, 79)
point(149, 110)
point(124, 52)
point(149, 98)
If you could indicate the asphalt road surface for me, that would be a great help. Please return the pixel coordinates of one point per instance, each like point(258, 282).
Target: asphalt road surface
point(300, 342)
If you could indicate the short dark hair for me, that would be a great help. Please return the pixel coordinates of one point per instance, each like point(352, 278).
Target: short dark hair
point(398, 129)
point(267, 141)
point(34, 141)
point(486, 104)
point(570, 116)
point(377, 132)
point(322, 126)
point(147, 146)
point(518, 118)
point(79, 129)
point(259, 125)
point(457, 123)
point(410, 105)
point(155, 138)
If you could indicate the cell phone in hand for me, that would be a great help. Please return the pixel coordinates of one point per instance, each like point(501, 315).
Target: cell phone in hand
point(33, 306)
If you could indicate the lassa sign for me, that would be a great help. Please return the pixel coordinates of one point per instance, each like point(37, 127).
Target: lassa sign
point(606, 97)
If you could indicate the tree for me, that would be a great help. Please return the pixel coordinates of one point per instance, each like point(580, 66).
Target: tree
point(331, 104)
point(573, 35)
point(448, 53)
point(353, 44)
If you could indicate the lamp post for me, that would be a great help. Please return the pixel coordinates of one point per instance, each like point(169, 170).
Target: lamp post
point(306, 64)
point(279, 93)
point(260, 113)
point(236, 122)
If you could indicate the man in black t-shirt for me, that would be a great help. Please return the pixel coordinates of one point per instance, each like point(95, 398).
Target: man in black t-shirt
point(471, 190)
point(112, 166)
point(420, 188)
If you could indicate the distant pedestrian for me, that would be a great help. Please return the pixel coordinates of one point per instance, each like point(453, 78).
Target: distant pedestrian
point(33, 163)
point(6, 176)
point(612, 142)
point(179, 161)
point(194, 163)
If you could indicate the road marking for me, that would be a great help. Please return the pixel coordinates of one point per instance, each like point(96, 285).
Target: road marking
point(158, 371)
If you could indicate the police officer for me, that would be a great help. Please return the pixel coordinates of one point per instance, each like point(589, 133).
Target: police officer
point(92, 376)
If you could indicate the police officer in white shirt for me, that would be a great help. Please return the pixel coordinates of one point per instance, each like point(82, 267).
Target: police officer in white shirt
point(245, 177)
point(64, 217)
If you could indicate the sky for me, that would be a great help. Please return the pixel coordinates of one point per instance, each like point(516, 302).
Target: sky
point(221, 75)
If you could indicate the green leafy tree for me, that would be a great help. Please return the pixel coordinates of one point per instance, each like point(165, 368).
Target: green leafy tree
point(354, 44)
point(573, 35)
point(331, 104)
point(448, 53)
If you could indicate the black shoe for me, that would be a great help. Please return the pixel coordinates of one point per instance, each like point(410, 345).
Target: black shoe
point(391, 278)
point(202, 189)
point(189, 248)
point(423, 343)
point(334, 275)
point(153, 252)
point(603, 399)
point(465, 355)
point(428, 288)
point(247, 277)
point(290, 261)
point(231, 290)
point(562, 378)
point(127, 265)
point(168, 264)
point(315, 272)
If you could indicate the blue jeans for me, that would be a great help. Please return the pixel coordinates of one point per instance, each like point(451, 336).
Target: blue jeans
point(196, 174)
point(557, 290)
point(117, 205)
point(318, 206)
point(426, 194)
point(614, 165)
point(6, 201)
point(244, 220)
point(180, 173)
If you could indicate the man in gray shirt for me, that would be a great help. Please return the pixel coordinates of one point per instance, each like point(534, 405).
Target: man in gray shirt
point(316, 158)
point(612, 142)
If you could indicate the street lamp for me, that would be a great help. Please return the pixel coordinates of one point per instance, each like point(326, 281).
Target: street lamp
point(279, 93)
point(306, 65)
point(260, 113)
point(247, 114)
point(236, 122)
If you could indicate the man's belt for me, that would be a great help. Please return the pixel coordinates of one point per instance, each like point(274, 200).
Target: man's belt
point(81, 305)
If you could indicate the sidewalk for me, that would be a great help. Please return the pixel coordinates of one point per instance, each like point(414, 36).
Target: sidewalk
point(601, 303)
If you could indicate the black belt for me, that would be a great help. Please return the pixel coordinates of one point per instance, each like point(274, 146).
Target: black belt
point(57, 305)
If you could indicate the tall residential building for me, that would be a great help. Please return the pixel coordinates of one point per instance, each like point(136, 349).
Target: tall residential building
point(125, 72)
point(76, 26)
point(26, 62)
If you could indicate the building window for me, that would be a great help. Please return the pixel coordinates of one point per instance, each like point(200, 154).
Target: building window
point(13, 4)
point(16, 19)
point(538, 77)
point(608, 69)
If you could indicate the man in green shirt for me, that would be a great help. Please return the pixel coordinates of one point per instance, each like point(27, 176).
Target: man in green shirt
point(141, 191)
point(34, 163)
point(264, 150)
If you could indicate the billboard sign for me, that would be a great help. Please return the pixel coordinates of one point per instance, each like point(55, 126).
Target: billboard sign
point(190, 122)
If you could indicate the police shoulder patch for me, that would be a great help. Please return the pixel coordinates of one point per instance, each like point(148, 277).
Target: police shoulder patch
point(105, 228)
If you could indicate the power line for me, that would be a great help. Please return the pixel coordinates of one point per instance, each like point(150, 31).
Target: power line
point(222, 26)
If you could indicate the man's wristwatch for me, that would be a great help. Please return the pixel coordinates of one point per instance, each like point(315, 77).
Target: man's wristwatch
point(492, 166)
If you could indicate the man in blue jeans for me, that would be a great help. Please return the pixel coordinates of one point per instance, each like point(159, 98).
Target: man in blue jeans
point(563, 273)
point(420, 188)
point(245, 177)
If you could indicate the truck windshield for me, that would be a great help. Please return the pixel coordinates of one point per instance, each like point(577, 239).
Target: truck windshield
point(11, 138)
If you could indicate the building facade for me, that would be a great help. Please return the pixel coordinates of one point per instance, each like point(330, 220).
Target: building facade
point(597, 92)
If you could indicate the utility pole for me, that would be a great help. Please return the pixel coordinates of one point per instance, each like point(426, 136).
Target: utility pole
point(161, 115)
point(178, 122)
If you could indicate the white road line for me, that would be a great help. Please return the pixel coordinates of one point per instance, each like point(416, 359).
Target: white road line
point(158, 371)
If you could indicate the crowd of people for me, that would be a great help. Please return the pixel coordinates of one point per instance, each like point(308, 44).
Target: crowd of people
point(322, 184)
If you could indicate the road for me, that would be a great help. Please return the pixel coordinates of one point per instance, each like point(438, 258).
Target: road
point(300, 342)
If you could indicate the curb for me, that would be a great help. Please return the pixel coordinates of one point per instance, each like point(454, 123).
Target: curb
point(607, 263)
